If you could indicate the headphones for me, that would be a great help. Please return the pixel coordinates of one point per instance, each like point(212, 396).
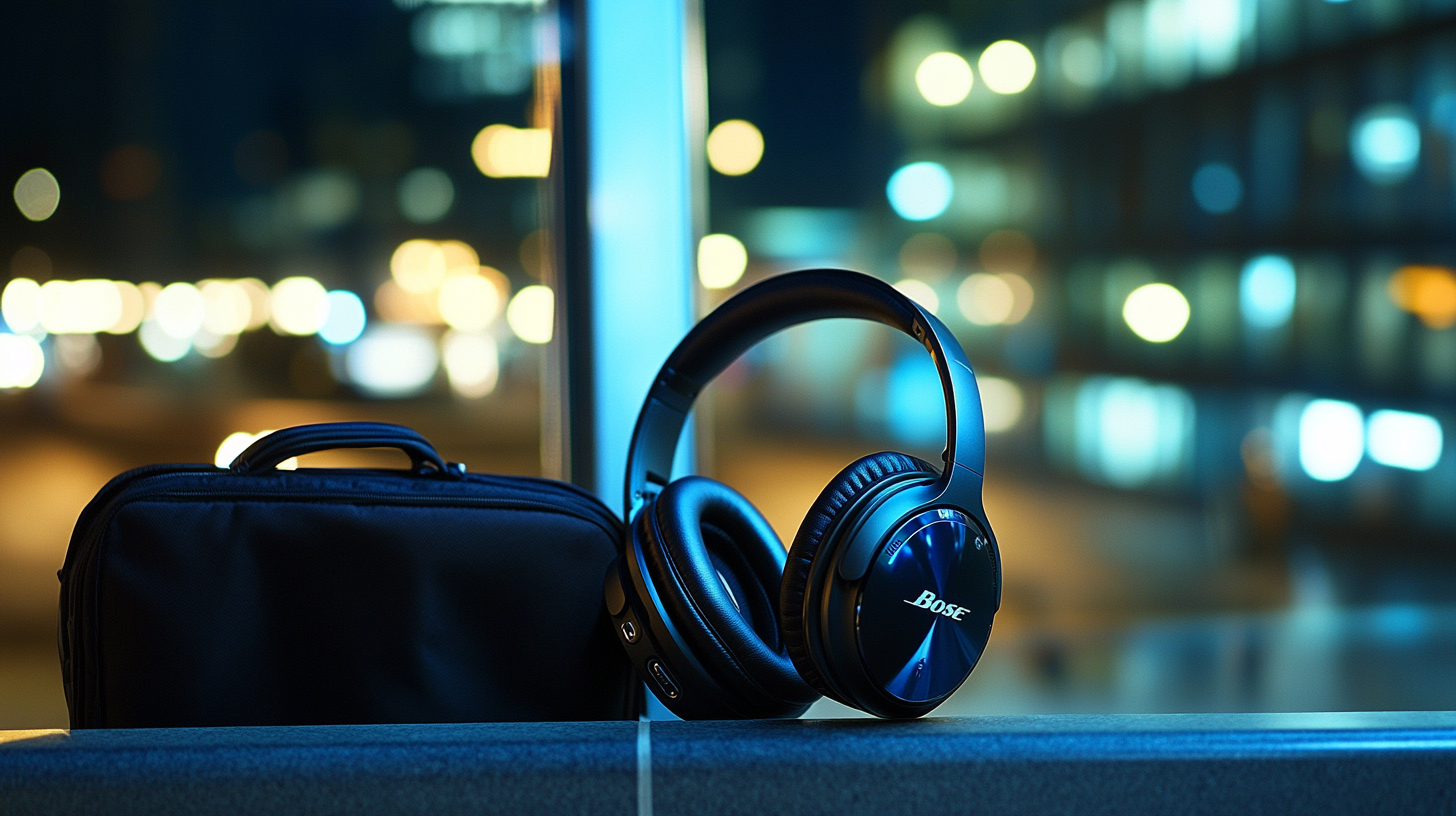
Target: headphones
point(885, 600)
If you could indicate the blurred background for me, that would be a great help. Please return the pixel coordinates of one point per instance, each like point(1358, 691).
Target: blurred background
point(1199, 251)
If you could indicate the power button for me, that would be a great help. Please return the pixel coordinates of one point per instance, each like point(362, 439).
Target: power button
point(629, 631)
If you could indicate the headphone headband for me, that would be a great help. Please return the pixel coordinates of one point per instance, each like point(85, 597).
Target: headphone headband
point(771, 306)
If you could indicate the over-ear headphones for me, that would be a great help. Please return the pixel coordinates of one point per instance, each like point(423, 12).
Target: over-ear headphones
point(885, 600)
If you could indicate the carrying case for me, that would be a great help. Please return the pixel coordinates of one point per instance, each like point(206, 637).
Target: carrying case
point(200, 596)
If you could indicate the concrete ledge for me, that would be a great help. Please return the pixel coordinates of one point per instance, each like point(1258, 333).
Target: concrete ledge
point(1326, 764)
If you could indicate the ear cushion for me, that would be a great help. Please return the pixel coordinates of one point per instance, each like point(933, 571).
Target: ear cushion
point(861, 478)
point(717, 565)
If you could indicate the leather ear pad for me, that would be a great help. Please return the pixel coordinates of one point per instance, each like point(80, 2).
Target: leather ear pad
point(857, 480)
point(717, 565)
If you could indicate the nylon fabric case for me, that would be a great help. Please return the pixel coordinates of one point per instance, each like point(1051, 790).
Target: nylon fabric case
point(199, 596)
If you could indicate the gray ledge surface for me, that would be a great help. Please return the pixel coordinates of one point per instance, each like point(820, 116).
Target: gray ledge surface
point(1326, 764)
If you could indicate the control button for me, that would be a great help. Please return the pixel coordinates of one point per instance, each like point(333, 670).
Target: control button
point(660, 674)
point(629, 631)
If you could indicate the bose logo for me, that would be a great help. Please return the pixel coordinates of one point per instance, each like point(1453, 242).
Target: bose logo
point(927, 600)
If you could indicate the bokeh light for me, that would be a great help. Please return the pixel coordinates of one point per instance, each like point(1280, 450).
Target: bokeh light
point(1156, 312)
point(396, 305)
point(78, 307)
point(1267, 288)
point(1385, 142)
point(944, 78)
point(236, 443)
point(78, 354)
point(1403, 439)
point(532, 314)
point(300, 306)
point(133, 308)
point(1007, 67)
point(1331, 439)
point(22, 362)
point(1217, 188)
point(920, 292)
point(227, 309)
point(425, 195)
point(179, 311)
point(392, 361)
point(1086, 62)
point(502, 151)
point(160, 344)
point(1131, 432)
point(213, 346)
point(346, 318)
point(469, 302)
point(1023, 297)
point(1002, 403)
point(735, 147)
point(1428, 292)
point(460, 258)
point(418, 265)
point(258, 297)
point(37, 194)
point(20, 305)
point(985, 300)
point(722, 260)
point(472, 363)
point(920, 191)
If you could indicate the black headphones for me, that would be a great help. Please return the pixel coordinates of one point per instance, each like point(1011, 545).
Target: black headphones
point(894, 577)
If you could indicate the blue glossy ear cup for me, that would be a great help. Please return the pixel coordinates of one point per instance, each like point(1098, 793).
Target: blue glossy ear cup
point(711, 565)
point(848, 492)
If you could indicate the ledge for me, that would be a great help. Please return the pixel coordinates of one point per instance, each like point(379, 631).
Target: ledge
point(1401, 762)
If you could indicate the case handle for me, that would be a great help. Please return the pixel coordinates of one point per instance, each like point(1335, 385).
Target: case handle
point(265, 454)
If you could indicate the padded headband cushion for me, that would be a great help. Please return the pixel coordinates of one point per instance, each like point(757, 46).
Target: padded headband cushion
point(859, 479)
point(717, 565)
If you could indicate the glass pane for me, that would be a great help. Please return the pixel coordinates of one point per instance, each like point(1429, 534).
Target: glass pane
point(231, 217)
point(1199, 253)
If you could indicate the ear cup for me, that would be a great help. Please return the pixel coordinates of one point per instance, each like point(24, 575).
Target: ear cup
point(857, 481)
point(717, 565)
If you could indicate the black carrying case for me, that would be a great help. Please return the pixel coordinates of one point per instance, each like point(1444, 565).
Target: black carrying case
point(199, 596)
